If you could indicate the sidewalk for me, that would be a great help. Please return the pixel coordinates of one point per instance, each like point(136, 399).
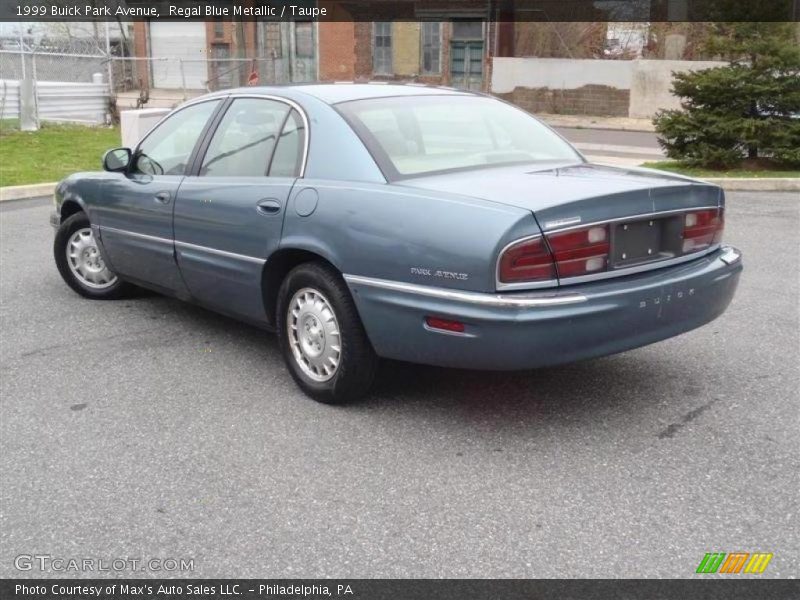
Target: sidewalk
point(594, 122)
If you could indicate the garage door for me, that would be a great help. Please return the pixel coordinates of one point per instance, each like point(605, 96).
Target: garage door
point(185, 41)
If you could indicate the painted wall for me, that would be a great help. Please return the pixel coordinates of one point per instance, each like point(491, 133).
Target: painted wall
point(651, 84)
point(558, 73)
point(637, 88)
point(405, 53)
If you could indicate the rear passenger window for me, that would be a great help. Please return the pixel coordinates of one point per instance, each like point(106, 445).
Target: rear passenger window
point(243, 143)
point(288, 156)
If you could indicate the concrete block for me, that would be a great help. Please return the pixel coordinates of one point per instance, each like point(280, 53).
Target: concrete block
point(134, 124)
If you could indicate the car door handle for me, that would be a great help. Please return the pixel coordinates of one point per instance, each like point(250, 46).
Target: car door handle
point(269, 207)
point(163, 197)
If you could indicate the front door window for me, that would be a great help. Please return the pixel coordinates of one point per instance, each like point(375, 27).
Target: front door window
point(166, 150)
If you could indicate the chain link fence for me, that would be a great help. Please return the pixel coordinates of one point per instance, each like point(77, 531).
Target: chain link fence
point(117, 83)
point(53, 79)
point(190, 76)
point(48, 66)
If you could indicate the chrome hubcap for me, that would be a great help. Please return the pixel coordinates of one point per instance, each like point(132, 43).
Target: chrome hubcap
point(314, 335)
point(85, 262)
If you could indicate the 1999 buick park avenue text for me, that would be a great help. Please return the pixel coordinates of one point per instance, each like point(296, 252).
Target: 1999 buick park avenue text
point(399, 221)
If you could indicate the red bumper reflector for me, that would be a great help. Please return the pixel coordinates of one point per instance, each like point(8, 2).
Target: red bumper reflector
point(444, 324)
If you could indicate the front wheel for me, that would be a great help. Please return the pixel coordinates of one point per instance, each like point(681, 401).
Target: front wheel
point(80, 263)
point(322, 339)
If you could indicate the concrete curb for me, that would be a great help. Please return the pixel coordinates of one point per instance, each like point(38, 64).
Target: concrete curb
point(755, 184)
point(23, 192)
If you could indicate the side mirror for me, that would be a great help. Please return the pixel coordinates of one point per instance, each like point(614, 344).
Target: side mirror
point(117, 160)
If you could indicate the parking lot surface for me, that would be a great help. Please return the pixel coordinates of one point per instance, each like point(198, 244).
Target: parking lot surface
point(150, 428)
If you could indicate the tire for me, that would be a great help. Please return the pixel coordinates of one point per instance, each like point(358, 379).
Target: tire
point(318, 325)
point(80, 264)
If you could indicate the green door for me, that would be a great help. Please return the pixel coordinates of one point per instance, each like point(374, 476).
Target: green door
point(466, 64)
point(287, 51)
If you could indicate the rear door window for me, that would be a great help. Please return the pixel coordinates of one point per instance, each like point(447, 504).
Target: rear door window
point(288, 157)
point(244, 141)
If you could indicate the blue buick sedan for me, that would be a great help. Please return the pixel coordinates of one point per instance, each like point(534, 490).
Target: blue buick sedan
point(406, 222)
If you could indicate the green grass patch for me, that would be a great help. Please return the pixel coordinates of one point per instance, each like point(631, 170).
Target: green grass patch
point(53, 152)
point(676, 167)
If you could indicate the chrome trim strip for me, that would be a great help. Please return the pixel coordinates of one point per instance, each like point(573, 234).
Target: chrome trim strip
point(223, 97)
point(634, 218)
point(562, 223)
point(482, 299)
point(730, 255)
point(185, 245)
point(225, 253)
point(133, 234)
point(462, 334)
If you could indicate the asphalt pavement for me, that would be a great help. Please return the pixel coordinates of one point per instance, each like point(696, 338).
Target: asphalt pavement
point(149, 428)
point(625, 148)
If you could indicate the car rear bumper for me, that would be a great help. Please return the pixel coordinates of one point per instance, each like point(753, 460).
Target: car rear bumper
point(527, 330)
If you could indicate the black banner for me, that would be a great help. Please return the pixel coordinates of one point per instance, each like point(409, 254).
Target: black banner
point(402, 589)
point(401, 10)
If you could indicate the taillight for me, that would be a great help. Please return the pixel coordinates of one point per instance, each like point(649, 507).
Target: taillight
point(587, 250)
point(526, 261)
point(702, 229)
point(580, 251)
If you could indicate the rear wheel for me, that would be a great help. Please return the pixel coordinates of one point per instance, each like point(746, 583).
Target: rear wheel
point(80, 263)
point(322, 339)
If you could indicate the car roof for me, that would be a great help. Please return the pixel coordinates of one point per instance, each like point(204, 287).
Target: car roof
point(334, 93)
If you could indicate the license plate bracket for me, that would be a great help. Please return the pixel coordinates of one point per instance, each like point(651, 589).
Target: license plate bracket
point(645, 240)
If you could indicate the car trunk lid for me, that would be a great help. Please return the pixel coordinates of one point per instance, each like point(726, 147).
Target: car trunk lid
point(578, 193)
point(642, 212)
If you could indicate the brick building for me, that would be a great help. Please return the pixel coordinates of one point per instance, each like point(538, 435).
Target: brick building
point(194, 55)
point(199, 55)
point(215, 55)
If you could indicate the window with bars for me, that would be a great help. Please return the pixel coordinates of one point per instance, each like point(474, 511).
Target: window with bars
point(272, 40)
point(304, 39)
point(382, 49)
point(431, 48)
point(219, 29)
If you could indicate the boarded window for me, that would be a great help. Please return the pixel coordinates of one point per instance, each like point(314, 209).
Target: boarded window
point(431, 48)
point(467, 30)
point(382, 49)
point(304, 40)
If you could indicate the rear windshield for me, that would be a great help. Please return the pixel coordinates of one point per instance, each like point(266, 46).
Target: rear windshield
point(421, 135)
